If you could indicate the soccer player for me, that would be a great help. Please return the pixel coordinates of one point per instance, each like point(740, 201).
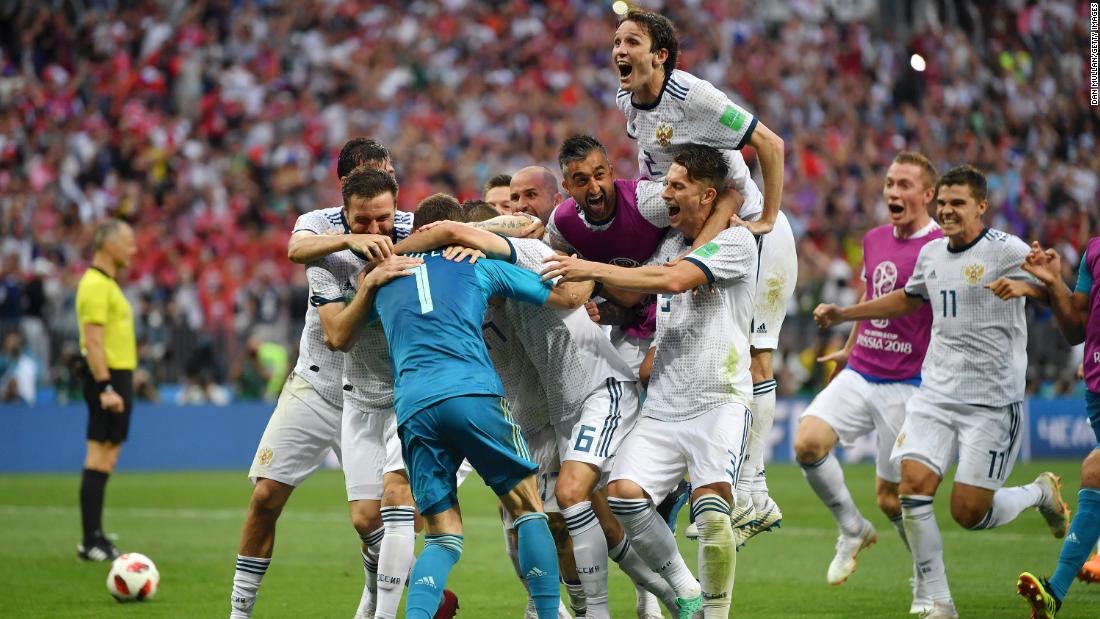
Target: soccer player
point(666, 108)
point(883, 360)
point(535, 192)
point(1077, 314)
point(498, 194)
point(449, 406)
point(972, 380)
point(107, 341)
point(377, 484)
point(583, 375)
point(307, 419)
point(620, 222)
point(695, 418)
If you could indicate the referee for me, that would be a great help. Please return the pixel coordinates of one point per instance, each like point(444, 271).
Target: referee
point(108, 345)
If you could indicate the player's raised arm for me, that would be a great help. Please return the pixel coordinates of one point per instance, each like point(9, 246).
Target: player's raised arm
point(306, 246)
point(446, 233)
point(769, 148)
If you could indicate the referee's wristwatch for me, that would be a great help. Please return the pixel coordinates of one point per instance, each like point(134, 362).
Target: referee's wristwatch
point(105, 386)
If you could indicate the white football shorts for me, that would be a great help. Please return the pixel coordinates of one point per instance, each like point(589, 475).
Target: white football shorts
point(300, 432)
point(774, 284)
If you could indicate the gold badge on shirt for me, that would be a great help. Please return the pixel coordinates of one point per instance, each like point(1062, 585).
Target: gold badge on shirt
point(265, 456)
point(664, 134)
point(973, 273)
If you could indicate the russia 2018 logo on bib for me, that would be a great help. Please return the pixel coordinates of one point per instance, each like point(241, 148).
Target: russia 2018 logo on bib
point(883, 281)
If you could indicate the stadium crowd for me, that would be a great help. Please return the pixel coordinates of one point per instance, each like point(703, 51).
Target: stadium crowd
point(212, 125)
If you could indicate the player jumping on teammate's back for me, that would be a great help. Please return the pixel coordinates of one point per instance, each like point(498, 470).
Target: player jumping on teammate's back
point(972, 380)
point(666, 108)
point(1077, 314)
point(883, 359)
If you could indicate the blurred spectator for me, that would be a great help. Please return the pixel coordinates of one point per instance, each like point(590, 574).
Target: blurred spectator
point(259, 370)
point(18, 371)
point(212, 125)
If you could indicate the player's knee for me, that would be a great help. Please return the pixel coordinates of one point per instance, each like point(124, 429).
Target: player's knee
point(917, 479)
point(625, 489)
point(967, 514)
point(364, 519)
point(397, 493)
point(267, 499)
point(570, 491)
point(808, 446)
point(1090, 471)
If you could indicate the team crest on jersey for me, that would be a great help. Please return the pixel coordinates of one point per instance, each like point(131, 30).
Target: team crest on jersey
point(664, 134)
point(265, 456)
point(973, 273)
point(901, 439)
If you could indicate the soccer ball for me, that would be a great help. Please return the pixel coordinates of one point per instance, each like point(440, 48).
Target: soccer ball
point(133, 577)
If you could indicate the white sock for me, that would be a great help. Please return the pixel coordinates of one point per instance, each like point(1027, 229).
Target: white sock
point(654, 543)
point(640, 574)
point(763, 416)
point(246, 583)
point(395, 559)
point(590, 552)
point(373, 543)
point(717, 554)
point(927, 545)
point(827, 481)
point(1008, 503)
point(577, 602)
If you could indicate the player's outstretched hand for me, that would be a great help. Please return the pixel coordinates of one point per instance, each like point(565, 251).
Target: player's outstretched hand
point(840, 357)
point(534, 231)
point(827, 315)
point(758, 227)
point(370, 246)
point(1045, 265)
point(568, 268)
point(1006, 288)
point(458, 253)
point(111, 402)
point(389, 269)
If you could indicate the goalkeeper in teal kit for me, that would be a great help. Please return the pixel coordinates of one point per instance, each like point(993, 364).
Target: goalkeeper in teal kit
point(450, 405)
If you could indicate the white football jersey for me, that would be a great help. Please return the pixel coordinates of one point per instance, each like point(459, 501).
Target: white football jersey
point(702, 358)
point(573, 352)
point(978, 350)
point(518, 375)
point(690, 110)
point(333, 279)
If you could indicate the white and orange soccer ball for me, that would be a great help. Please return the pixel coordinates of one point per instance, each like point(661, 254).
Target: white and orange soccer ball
point(133, 576)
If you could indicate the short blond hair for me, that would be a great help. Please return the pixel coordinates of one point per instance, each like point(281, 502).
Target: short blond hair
point(927, 170)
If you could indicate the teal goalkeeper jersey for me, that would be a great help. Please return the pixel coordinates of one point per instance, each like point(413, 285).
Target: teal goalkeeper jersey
point(432, 320)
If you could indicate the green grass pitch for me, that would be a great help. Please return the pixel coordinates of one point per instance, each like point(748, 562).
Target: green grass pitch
point(189, 524)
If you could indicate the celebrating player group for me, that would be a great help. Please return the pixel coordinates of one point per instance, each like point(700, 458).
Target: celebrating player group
point(603, 357)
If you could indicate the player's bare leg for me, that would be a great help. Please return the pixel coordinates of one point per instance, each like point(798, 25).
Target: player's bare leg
point(396, 550)
point(367, 520)
point(257, 543)
point(653, 541)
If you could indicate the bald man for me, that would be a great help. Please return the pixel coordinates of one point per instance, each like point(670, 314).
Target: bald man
point(535, 192)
